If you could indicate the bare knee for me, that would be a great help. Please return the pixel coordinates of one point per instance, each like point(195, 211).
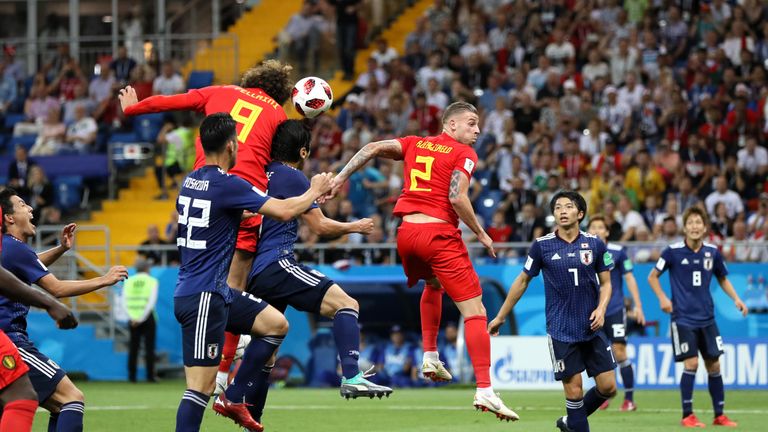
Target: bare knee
point(712, 365)
point(279, 327)
point(692, 364)
point(608, 389)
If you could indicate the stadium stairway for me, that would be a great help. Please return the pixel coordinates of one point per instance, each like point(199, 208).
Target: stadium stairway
point(254, 32)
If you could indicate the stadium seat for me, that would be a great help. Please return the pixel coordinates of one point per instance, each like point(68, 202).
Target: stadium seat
point(147, 126)
point(199, 79)
point(11, 119)
point(123, 137)
point(68, 191)
point(484, 177)
point(27, 141)
point(487, 204)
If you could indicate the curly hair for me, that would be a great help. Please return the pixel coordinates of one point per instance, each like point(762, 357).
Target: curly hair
point(273, 77)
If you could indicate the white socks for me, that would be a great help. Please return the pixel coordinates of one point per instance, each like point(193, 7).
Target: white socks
point(431, 355)
point(487, 391)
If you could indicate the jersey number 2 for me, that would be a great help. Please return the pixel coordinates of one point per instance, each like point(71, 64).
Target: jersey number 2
point(246, 120)
point(201, 222)
point(425, 175)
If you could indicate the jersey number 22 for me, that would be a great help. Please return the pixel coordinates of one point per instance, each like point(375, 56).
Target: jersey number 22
point(190, 222)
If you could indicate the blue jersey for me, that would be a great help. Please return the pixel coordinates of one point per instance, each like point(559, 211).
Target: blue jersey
point(21, 260)
point(623, 265)
point(210, 205)
point(276, 238)
point(690, 274)
point(571, 284)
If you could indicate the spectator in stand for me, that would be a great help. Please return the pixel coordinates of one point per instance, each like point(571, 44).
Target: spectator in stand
point(51, 137)
point(67, 80)
point(560, 50)
point(299, 38)
point(721, 224)
point(698, 166)
point(14, 68)
point(528, 226)
point(81, 99)
point(122, 66)
point(179, 144)
point(435, 95)
point(384, 54)
point(346, 34)
point(39, 191)
point(19, 169)
point(434, 69)
point(81, 135)
point(427, 116)
point(143, 79)
point(753, 161)
point(616, 116)
point(734, 207)
point(36, 109)
point(623, 59)
point(169, 82)
point(738, 248)
point(8, 91)
point(101, 86)
point(643, 179)
point(499, 231)
point(757, 219)
point(148, 248)
point(631, 221)
point(374, 72)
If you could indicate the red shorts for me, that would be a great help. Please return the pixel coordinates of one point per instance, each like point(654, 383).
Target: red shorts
point(11, 365)
point(430, 250)
point(248, 234)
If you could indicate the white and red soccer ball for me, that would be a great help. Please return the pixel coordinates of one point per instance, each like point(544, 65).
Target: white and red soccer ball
point(312, 96)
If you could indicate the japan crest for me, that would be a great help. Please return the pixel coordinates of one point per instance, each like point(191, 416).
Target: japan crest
point(212, 351)
point(707, 263)
point(586, 256)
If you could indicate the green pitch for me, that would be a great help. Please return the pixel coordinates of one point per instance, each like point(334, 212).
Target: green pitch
point(116, 407)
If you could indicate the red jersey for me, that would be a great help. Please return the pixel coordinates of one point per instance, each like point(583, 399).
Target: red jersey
point(428, 165)
point(257, 116)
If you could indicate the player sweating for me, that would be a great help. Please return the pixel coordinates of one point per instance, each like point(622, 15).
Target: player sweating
point(691, 264)
point(577, 287)
point(210, 205)
point(437, 171)
point(256, 107)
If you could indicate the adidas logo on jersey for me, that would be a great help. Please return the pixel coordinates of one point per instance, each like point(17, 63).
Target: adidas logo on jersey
point(555, 256)
point(685, 261)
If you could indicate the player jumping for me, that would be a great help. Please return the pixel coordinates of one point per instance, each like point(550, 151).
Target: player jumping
point(210, 205)
point(691, 264)
point(572, 262)
point(615, 315)
point(256, 106)
point(55, 391)
point(437, 172)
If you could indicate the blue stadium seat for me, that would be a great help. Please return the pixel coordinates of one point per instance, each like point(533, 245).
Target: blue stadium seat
point(124, 137)
point(147, 126)
point(488, 203)
point(199, 79)
point(26, 141)
point(483, 176)
point(68, 191)
point(11, 119)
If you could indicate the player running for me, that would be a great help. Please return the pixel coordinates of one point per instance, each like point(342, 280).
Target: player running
point(55, 391)
point(210, 206)
point(437, 172)
point(577, 288)
point(256, 106)
point(691, 264)
point(17, 395)
point(615, 314)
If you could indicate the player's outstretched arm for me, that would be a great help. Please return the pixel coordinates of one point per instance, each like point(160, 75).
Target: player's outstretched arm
point(72, 288)
point(131, 106)
point(597, 318)
point(323, 226)
point(629, 278)
point(726, 285)
point(286, 209)
point(66, 240)
point(515, 292)
point(653, 280)
point(459, 197)
point(388, 149)
point(16, 290)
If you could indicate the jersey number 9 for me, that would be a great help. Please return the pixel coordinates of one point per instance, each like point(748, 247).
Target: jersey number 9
point(246, 120)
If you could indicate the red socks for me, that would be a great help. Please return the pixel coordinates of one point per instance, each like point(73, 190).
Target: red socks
point(228, 352)
point(479, 346)
point(431, 307)
point(18, 416)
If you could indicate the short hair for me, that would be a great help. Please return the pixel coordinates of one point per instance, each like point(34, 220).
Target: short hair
point(272, 76)
point(142, 264)
point(6, 204)
point(597, 218)
point(575, 198)
point(695, 210)
point(670, 219)
point(290, 137)
point(216, 130)
point(457, 108)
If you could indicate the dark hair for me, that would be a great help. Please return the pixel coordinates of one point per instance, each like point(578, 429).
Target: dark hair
point(216, 130)
point(273, 77)
point(457, 108)
point(597, 218)
point(695, 210)
point(6, 204)
point(290, 137)
point(575, 198)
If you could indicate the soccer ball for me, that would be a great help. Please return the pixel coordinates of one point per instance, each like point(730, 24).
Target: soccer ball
point(312, 96)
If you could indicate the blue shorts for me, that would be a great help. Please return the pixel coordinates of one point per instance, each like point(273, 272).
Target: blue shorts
point(688, 341)
point(204, 317)
point(287, 283)
point(615, 327)
point(572, 358)
point(44, 373)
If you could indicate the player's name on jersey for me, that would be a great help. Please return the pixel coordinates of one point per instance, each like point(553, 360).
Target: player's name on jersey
point(429, 145)
point(194, 184)
point(261, 98)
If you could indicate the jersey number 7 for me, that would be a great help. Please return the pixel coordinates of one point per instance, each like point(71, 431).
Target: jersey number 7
point(201, 222)
point(425, 175)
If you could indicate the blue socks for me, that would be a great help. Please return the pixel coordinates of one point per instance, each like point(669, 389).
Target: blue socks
point(256, 356)
point(191, 410)
point(628, 378)
point(592, 400)
point(686, 391)
point(577, 415)
point(258, 398)
point(71, 417)
point(717, 392)
point(53, 420)
point(346, 333)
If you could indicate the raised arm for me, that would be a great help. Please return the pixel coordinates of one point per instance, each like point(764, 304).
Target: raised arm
point(66, 240)
point(459, 198)
point(726, 285)
point(286, 209)
point(515, 292)
point(72, 288)
point(597, 319)
point(131, 106)
point(323, 226)
point(16, 290)
point(389, 149)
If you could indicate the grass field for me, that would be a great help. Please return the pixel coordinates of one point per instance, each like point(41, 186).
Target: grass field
point(116, 407)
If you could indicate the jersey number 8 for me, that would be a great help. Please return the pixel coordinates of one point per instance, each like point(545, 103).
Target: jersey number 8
point(201, 222)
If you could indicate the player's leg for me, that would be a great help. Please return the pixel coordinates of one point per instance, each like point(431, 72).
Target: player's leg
point(627, 375)
point(600, 364)
point(711, 346)
point(17, 395)
point(150, 334)
point(133, 352)
point(69, 402)
point(568, 364)
point(685, 346)
point(46, 376)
